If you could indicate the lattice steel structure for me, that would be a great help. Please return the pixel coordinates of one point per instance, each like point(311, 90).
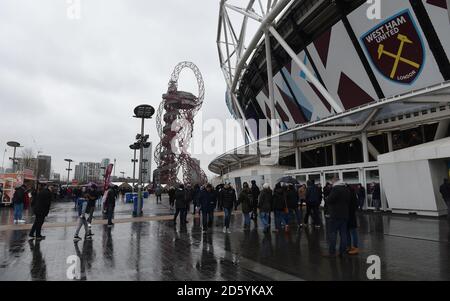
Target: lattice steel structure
point(175, 124)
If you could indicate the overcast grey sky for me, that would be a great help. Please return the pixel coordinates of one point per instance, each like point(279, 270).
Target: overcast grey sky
point(68, 87)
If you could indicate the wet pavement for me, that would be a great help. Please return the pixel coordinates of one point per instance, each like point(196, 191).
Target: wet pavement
point(151, 248)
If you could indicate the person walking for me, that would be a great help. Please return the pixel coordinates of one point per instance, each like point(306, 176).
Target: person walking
point(172, 192)
point(19, 202)
point(246, 201)
point(110, 204)
point(326, 193)
point(361, 195)
point(338, 206)
point(313, 200)
point(92, 196)
point(196, 198)
point(41, 207)
point(352, 233)
point(292, 205)
point(180, 205)
point(83, 210)
point(158, 194)
point(265, 206)
point(208, 202)
point(376, 197)
point(228, 197)
point(255, 198)
point(189, 201)
point(279, 206)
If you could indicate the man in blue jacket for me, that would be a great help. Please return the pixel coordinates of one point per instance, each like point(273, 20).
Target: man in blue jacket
point(208, 202)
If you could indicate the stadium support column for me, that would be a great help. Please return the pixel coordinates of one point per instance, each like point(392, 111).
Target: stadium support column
point(390, 142)
point(333, 151)
point(442, 129)
point(365, 147)
point(270, 75)
point(298, 158)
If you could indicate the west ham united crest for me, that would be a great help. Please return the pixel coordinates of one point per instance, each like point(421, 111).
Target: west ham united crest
point(396, 48)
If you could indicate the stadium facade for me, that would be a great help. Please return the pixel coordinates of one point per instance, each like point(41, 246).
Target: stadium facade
point(367, 99)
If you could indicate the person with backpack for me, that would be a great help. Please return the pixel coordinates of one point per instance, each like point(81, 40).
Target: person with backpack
point(41, 208)
point(82, 210)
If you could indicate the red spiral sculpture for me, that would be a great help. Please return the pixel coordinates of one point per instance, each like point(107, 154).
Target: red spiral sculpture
point(175, 124)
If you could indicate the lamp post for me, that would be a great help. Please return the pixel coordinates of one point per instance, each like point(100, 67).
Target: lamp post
point(68, 171)
point(3, 163)
point(14, 145)
point(134, 147)
point(143, 112)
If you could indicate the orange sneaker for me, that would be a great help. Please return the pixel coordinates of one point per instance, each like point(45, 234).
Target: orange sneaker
point(353, 251)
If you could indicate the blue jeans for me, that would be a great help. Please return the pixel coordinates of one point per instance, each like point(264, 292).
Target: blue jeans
point(286, 217)
point(264, 216)
point(297, 212)
point(227, 212)
point(338, 225)
point(352, 238)
point(247, 219)
point(18, 209)
point(207, 218)
point(278, 219)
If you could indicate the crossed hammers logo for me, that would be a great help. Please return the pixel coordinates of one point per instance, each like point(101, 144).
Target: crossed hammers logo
point(398, 57)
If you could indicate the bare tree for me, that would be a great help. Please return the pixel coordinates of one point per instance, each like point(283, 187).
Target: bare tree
point(28, 159)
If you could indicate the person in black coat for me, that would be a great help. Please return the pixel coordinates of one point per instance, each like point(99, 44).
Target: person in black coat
point(313, 200)
point(229, 201)
point(352, 233)
point(180, 204)
point(338, 206)
point(292, 204)
point(41, 208)
point(19, 203)
point(255, 193)
point(279, 206)
point(361, 194)
point(208, 202)
point(110, 204)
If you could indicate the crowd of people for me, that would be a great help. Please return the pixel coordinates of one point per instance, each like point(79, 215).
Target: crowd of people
point(288, 204)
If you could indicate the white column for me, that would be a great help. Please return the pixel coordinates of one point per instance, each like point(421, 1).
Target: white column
point(298, 158)
point(390, 142)
point(365, 147)
point(333, 151)
point(442, 129)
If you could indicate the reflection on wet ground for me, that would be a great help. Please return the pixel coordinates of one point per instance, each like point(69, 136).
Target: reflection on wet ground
point(410, 248)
